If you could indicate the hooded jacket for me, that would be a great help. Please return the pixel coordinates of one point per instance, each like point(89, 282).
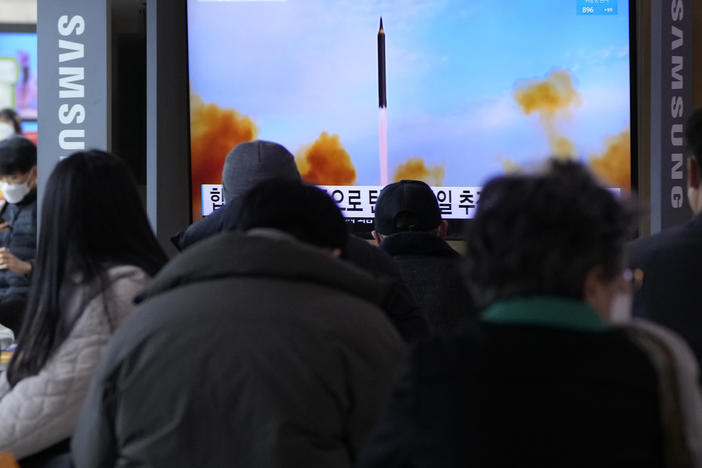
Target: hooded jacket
point(265, 352)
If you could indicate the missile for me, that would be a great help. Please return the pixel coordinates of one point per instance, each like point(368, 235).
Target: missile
point(382, 98)
point(382, 111)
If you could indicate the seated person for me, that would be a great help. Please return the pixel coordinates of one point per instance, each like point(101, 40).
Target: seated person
point(546, 380)
point(408, 226)
point(671, 260)
point(96, 253)
point(7, 338)
point(247, 164)
point(10, 123)
point(252, 349)
point(18, 226)
point(253, 162)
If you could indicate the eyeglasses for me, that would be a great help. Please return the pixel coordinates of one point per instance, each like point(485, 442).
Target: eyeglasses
point(634, 277)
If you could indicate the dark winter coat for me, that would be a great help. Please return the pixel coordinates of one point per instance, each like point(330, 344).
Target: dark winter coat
point(432, 271)
point(671, 262)
point(401, 307)
point(223, 219)
point(21, 241)
point(539, 390)
point(247, 351)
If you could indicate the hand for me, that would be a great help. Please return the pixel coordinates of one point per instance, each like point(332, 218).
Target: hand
point(12, 263)
point(4, 226)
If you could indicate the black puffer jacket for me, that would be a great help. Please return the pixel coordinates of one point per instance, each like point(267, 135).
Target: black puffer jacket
point(248, 351)
point(401, 307)
point(21, 241)
point(431, 269)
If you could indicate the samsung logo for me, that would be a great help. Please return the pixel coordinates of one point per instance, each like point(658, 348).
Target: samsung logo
point(71, 72)
point(677, 85)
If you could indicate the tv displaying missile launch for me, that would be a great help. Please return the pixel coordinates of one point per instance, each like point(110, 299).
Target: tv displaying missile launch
point(18, 71)
point(451, 92)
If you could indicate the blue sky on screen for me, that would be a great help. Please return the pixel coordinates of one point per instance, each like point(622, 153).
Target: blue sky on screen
point(11, 44)
point(300, 67)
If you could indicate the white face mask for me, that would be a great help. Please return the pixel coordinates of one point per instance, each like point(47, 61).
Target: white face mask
point(620, 309)
point(15, 193)
point(6, 130)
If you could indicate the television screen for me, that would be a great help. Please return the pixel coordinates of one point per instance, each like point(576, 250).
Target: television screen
point(451, 92)
point(18, 73)
point(29, 129)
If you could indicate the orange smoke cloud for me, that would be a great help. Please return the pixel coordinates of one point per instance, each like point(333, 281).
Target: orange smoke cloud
point(326, 162)
point(214, 131)
point(550, 98)
point(415, 169)
point(509, 165)
point(561, 146)
point(613, 165)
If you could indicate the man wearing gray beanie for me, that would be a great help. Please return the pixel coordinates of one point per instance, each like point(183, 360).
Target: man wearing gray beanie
point(246, 165)
point(253, 162)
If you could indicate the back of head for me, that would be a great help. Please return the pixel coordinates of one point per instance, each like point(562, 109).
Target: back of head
point(407, 205)
point(540, 234)
point(252, 162)
point(92, 209)
point(12, 118)
point(18, 155)
point(303, 211)
point(693, 135)
point(92, 218)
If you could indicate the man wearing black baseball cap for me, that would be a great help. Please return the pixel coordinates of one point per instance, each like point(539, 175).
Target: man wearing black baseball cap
point(409, 227)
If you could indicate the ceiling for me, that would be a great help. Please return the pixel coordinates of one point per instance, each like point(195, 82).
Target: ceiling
point(124, 12)
point(18, 11)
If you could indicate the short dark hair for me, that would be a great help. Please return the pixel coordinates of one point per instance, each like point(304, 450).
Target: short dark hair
point(17, 155)
point(693, 135)
point(304, 211)
point(541, 234)
point(10, 116)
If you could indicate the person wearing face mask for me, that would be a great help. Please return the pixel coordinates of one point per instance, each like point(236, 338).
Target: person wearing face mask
point(10, 123)
point(547, 380)
point(18, 226)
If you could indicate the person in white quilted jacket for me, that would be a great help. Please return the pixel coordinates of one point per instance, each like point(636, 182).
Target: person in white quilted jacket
point(6, 337)
point(96, 253)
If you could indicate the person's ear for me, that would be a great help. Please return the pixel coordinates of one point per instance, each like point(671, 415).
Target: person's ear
point(33, 177)
point(377, 237)
point(443, 229)
point(693, 172)
point(594, 292)
point(694, 180)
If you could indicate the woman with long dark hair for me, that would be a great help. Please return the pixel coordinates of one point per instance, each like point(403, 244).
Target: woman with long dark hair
point(96, 252)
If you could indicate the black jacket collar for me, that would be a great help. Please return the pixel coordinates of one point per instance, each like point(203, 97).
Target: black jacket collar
point(417, 243)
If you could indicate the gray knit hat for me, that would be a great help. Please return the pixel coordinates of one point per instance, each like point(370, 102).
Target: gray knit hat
point(252, 162)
